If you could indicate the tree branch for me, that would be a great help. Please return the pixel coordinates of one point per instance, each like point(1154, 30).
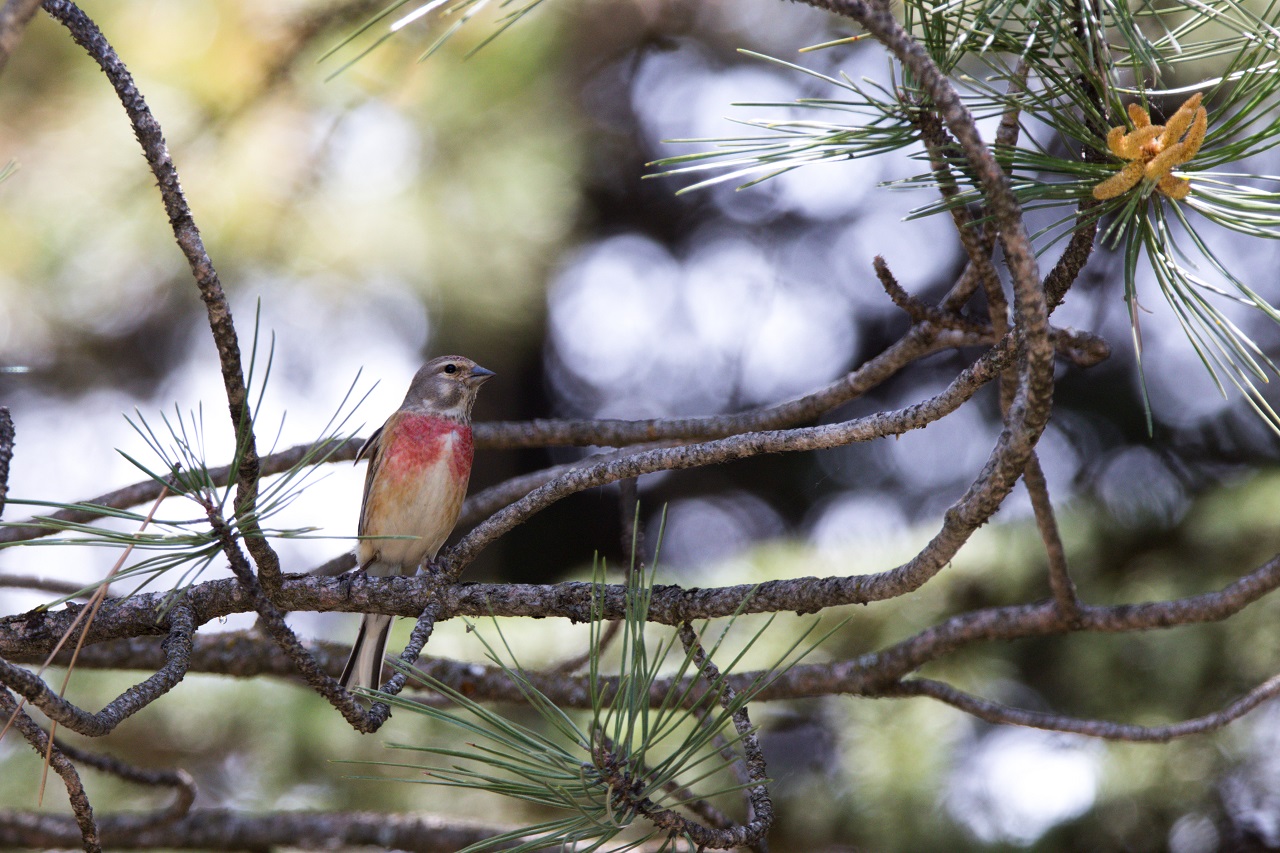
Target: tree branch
point(151, 138)
point(271, 619)
point(916, 343)
point(216, 829)
point(1063, 588)
point(148, 490)
point(34, 633)
point(994, 712)
point(179, 780)
point(7, 436)
point(84, 828)
point(177, 654)
point(58, 588)
point(746, 445)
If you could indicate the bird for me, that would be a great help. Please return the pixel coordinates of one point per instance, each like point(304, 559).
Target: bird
point(419, 465)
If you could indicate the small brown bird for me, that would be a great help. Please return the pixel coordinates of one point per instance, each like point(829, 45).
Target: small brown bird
point(419, 464)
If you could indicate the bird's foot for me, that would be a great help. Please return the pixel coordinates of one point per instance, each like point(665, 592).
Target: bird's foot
point(349, 579)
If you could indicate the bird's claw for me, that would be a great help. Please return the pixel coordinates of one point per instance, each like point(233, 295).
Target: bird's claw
point(349, 579)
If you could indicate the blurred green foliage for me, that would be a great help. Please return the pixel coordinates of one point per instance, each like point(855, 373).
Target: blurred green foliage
point(479, 198)
point(286, 177)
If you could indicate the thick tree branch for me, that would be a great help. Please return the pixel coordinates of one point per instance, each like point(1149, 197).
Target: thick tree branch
point(34, 633)
point(30, 636)
point(216, 829)
point(177, 650)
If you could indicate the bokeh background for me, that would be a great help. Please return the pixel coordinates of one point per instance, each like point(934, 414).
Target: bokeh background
point(500, 206)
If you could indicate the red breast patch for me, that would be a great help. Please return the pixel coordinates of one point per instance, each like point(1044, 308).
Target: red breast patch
point(416, 442)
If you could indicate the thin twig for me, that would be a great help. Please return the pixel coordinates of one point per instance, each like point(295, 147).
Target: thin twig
point(760, 804)
point(85, 824)
point(617, 770)
point(177, 650)
point(917, 309)
point(95, 603)
point(915, 344)
point(1064, 589)
point(58, 588)
point(672, 787)
point(151, 138)
point(179, 780)
point(976, 239)
point(272, 620)
point(1008, 131)
point(994, 712)
point(7, 436)
point(1074, 256)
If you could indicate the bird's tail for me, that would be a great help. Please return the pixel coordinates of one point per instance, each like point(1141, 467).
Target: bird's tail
point(364, 667)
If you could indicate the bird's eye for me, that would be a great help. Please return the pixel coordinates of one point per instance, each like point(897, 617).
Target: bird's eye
point(451, 368)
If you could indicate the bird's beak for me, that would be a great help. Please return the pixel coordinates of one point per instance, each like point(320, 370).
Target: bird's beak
point(479, 375)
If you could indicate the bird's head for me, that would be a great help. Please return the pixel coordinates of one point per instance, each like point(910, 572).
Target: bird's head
point(446, 386)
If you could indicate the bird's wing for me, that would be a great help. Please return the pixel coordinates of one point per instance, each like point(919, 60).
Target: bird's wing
point(371, 448)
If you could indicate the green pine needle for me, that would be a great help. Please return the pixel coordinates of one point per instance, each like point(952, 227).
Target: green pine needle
point(665, 748)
